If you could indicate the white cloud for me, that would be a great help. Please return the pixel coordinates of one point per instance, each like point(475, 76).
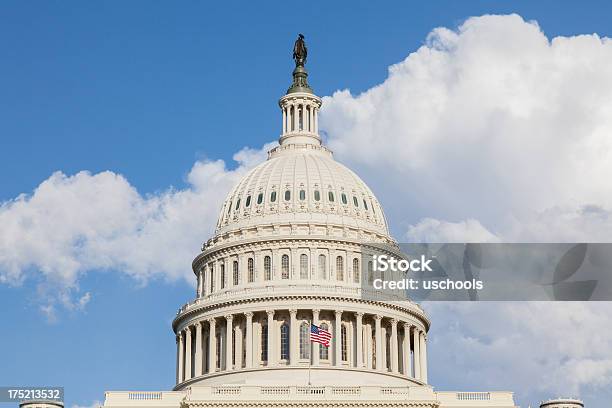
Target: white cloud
point(94, 404)
point(71, 225)
point(432, 230)
point(540, 349)
point(492, 122)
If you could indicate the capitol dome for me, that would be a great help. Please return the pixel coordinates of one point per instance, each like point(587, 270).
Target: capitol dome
point(303, 184)
point(291, 251)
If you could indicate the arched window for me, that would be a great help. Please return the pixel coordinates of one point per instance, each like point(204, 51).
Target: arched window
point(317, 195)
point(370, 273)
point(287, 195)
point(222, 276)
point(229, 208)
point(237, 204)
point(267, 267)
point(236, 276)
point(355, 202)
point(356, 274)
point(365, 204)
point(304, 340)
point(285, 266)
point(251, 269)
point(324, 351)
point(343, 343)
point(303, 266)
point(322, 267)
point(273, 197)
point(248, 202)
point(264, 342)
point(284, 338)
point(339, 268)
point(302, 195)
point(259, 198)
point(330, 196)
point(343, 198)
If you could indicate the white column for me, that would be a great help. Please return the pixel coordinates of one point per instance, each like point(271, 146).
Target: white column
point(310, 126)
point(316, 121)
point(394, 346)
point(417, 354)
point(249, 339)
point(271, 331)
point(181, 355)
point(368, 345)
point(379, 343)
point(238, 349)
point(212, 346)
point(359, 335)
point(229, 334)
point(198, 350)
point(293, 338)
point(406, 349)
point(338, 339)
point(315, 346)
point(188, 353)
point(284, 120)
point(423, 350)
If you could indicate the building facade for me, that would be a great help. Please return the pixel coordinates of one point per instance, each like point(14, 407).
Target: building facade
point(287, 253)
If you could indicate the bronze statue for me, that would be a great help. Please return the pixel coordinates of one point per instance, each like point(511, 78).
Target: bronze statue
point(300, 51)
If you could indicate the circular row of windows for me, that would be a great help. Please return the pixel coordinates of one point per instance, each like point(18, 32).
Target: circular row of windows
point(331, 198)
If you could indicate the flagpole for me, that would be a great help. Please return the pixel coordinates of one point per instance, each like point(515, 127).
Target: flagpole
point(311, 349)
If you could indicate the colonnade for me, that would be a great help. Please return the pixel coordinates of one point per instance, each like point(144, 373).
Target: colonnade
point(300, 116)
point(243, 341)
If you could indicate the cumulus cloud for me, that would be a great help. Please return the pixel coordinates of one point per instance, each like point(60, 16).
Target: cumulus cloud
point(493, 122)
point(540, 349)
point(494, 132)
point(73, 224)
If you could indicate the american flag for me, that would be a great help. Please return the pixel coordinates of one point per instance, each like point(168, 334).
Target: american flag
point(319, 335)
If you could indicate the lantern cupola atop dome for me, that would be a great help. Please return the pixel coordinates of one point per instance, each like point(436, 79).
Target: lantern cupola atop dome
point(300, 106)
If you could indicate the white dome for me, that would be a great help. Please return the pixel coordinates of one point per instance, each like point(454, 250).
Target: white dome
point(302, 184)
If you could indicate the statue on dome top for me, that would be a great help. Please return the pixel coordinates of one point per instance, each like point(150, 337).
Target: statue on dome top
point(300, 52)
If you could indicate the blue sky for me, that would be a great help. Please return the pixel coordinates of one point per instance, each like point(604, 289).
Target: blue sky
point(145, 89)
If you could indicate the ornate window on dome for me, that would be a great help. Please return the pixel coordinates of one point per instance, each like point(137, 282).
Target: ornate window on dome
point(287, 195)
point(322, 267)
point(284, 339)
point(273, 197)
point(302, 195)
point(370, 273)
point(343, 197)
point(304, 340)
point(248, 202)
point(356, 274)
point(264, 342)
point(237, 205)
point(324, 351)
point(317, 195)
point(251, 270)
point(267, 268)
point(303, 266)
point(222, 276)
point(330, 196)
point(365, 204)
point(285, 266)
point(339, 268)
point(355, 202)
point(343, 343)
point(229, 208)
point(236, 274)
point(259, 198)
